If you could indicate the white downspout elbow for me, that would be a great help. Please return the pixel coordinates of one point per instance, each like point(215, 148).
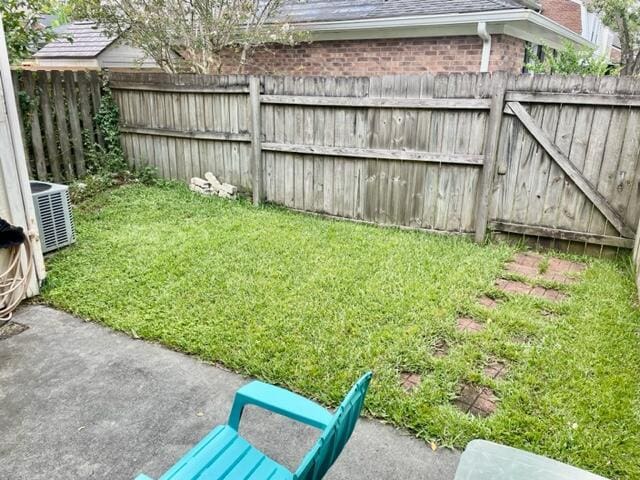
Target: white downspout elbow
point(486, 46)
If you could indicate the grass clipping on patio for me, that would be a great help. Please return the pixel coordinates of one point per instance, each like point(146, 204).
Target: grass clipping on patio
point(310, 304)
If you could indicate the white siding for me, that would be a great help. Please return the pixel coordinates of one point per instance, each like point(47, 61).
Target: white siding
point(120, 55)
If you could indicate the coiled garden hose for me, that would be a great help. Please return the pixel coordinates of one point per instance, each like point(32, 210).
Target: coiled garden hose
point(14, 280)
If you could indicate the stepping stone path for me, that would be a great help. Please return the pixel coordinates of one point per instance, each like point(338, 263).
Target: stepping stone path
point(476, 400)
point(481, 401)
point(409, 381)
point(496, 370)
point(469, 325)
point(529, 265)
point(488, 302)
point(512, 286)
point(558, 270)
point(440, 349)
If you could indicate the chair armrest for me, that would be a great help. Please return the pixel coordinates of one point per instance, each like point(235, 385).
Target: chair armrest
point(280, 401)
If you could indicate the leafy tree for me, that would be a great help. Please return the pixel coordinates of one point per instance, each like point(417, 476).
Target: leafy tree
point(623, 16)
point(23, 30)
point(193, 35)
point(570, 60)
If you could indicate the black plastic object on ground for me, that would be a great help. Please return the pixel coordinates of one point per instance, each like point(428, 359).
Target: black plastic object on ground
point(10, 236)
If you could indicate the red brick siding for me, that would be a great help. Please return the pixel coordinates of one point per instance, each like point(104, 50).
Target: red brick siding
point(565, 12)
point(507, 54)
point(384, 56)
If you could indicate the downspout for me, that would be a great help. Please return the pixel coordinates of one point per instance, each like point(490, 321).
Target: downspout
point(486, 46)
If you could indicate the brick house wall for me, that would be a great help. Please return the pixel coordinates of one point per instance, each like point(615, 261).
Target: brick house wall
point(565, 12)
point(384, 56)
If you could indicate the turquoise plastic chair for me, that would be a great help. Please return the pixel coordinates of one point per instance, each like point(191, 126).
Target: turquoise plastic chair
point(224, 454)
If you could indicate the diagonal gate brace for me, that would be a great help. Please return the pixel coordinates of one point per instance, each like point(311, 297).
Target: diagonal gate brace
point(600, 202)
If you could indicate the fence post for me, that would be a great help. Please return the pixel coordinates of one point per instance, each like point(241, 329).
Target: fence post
point(490, 158)
point(256, 138)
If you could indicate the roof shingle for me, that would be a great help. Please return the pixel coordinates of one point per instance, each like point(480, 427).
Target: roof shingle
point(299, 11)
point(88, 42)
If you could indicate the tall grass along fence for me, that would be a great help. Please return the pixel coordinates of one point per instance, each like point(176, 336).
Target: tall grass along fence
point(57, 110)
point(545, 157)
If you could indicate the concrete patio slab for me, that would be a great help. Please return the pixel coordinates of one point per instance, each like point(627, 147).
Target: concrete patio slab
point(79, 401)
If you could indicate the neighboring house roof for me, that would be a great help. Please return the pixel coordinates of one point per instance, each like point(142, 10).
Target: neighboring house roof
point(76, 40)
point(331, 10)
point(361, 19)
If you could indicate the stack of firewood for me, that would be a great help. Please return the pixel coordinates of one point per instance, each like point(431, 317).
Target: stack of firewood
point(210, 185)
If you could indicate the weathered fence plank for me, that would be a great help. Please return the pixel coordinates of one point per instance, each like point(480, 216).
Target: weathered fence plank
point(490, 160)
point(256, 141)
point(60, 118)
point(34, 124)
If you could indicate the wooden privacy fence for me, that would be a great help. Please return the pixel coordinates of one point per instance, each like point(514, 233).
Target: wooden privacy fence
point(542, 156)
point(57, 110)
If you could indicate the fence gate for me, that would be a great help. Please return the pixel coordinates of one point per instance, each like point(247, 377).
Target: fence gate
point(568, 161)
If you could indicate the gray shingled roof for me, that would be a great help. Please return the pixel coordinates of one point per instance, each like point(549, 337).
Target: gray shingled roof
point(298, 11)
point(88, 42)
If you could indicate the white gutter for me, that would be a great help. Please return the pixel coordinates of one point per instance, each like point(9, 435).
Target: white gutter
point(527, 16)
point(486, 46)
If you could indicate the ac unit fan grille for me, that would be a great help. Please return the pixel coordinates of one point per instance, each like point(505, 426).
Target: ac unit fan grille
point(56, 222)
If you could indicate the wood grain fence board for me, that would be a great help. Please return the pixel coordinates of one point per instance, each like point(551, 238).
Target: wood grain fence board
point(627, 196)
point(74, 123)
point(84, 101)
point(380, 102)
point(362, 136)
point(372, 181)
point(443, 144)
point(49, 128)
point(202, 134)
point(289, 135)
point(308, 88)
point(491, 146)
point(426, 179)
point(116, 85)
point(621, 187)
point(564, 140)
point(597, 221)
point(15, 80)
point(412, 169)
point(497, 203)
point(332, 151)
point(37, 146)
point(572, 194)
point(328, 162)
point(535, 168)
point(620, 100)
point(96, 99)
point(557, 233)
point(576, 176)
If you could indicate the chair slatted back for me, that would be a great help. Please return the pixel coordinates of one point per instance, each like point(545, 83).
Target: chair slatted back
point(330, 444)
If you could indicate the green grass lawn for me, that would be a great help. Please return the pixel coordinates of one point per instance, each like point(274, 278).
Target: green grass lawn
point(310, 304)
